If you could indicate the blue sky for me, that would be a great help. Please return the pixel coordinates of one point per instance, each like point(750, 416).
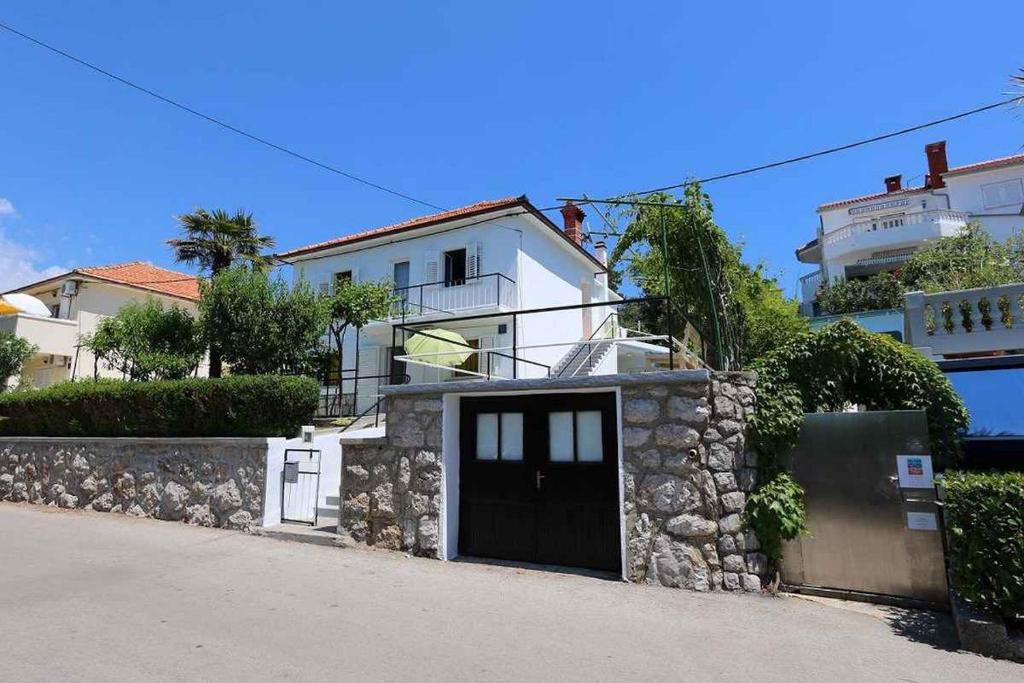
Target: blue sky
point(456, 102)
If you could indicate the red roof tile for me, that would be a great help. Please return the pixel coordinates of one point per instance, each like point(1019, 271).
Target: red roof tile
point(422, 221)
point(867, 197)
point(148, 277)
point(986, 165)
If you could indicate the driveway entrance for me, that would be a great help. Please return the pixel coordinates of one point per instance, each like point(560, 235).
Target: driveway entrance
point(539, 479)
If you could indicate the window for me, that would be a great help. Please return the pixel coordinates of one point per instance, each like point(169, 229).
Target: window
point(341, 278)
point(455, 267)
point(575, 436)
point(1006, 193)
point(499, 437)
point(400, 275)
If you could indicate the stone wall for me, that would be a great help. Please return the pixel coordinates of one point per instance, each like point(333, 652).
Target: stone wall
point(391, 487)
point(686, 474)
point(207, 482)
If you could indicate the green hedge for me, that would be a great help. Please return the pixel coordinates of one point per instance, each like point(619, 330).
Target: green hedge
point(245, 405)
point(985, 521)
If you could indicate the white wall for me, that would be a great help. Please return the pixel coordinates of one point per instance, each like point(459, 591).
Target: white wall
point(329, 495)
point(1000, 218)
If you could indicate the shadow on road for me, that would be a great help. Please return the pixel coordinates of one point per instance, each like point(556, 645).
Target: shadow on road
point(922, 626)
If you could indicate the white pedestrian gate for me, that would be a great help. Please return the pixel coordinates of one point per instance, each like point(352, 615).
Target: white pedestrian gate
point(300, 485)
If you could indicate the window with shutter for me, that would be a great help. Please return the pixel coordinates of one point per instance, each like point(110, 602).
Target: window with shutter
point(473, 260)
point(1006, 193)
point(430, 268)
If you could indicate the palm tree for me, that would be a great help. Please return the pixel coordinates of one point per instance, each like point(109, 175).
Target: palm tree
point(216, 240)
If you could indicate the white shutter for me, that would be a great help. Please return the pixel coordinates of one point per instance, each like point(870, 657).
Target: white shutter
point(430, 267)
point(496, 361)
point(366, 393)
point(473, 253)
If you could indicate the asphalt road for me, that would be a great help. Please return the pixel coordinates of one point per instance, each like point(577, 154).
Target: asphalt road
point(92, 596)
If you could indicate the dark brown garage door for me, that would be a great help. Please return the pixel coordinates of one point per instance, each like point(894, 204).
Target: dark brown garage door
point(539, 479)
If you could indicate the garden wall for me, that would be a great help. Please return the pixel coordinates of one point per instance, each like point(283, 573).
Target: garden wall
point(218, 482)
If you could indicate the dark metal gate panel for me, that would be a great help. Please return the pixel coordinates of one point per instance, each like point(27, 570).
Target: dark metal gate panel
point(540, 506)
point(300, 485)
point(859, 539)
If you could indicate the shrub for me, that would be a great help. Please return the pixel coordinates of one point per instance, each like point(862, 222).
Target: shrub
point(878, 292)
point(776, 512)
point(258, 405)
point(14, 352)
point(985, 522)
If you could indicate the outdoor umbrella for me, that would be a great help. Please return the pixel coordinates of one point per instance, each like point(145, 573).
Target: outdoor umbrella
point(442, 347)
point(23, 303)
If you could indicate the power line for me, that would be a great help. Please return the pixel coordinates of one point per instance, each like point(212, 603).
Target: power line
point(216, 121)
point(839, 148)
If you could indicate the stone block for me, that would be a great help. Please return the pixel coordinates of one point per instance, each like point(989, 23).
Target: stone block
point(691, 526)
point(725, 408)
point(676, 436)
point(725, 481)
point(634, 437)
point(728, 427)
point(734, 502)
point(730, 581)
point(226, 496)
point(720, 457)
point(640, 410)
point(172, 501)
point(426, 538)
point(387, 536)
point(667, 494)
point(730, 524)
point(751, 583)
point(678, 565)
point(734, 563)
point(693, 411)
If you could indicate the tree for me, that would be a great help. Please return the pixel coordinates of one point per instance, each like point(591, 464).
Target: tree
point(355, 304)
point(735, 306)
point(263, 326)
point(145, 341)
point(14, 353)
point(215, 241)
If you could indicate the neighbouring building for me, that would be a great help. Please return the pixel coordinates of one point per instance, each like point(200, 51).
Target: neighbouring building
point(78, 300)
point(861, 236)
point(482, 271)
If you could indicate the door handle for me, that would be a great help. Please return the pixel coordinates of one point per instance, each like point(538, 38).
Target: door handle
point(539, 477)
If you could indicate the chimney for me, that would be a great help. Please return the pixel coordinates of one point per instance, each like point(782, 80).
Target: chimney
point(572, 217)
point(937, 164)
point(601, 253)
point(893, 183)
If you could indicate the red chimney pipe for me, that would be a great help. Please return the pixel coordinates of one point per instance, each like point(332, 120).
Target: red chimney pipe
point(893, 183)
point(937, 164)
point(572, 218)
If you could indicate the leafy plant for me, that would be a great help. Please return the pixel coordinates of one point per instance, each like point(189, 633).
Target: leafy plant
point(827, 370)
point(984, 516)
point(263, 326)
point(355, 305)
point(215, 241)
point(14, 353)
point(776, 512)
point(146, 341)
point(233, 406)
point(878, 292)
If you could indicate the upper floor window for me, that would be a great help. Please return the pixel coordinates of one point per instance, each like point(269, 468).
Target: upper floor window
point(1006, 193)
point(455, 267)
point(341, 278)
point(887, 222)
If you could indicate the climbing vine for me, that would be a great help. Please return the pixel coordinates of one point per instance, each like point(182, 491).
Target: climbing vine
point(826, 371)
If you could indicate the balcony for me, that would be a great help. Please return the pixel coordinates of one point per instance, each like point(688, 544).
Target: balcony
point(881, 233)
point(482, 293)
point(966, 322)
point(809, 285)
point(51, 335)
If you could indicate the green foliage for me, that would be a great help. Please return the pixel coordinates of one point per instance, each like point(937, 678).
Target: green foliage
point(216, 240)
point(146, 341)
point(355, 304)
point(844, 364)
point(776, 512)
point(878, 292)
point(259, 325)
point(232, 406)
point(984, 517)
point(14, 352)
point(747, 307)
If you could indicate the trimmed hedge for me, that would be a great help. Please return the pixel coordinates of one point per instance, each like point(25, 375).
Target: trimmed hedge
point(985, 521)
point(244, 405)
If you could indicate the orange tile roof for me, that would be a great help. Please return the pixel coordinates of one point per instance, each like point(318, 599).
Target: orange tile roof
point(147, 276)
point(867, 197)
point(421, 221)
point(987, 165)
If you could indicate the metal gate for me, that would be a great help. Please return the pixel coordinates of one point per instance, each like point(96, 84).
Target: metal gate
point(300, 485)
point(874, 527)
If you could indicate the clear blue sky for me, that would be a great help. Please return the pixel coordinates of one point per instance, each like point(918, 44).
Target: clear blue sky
point(456, 102)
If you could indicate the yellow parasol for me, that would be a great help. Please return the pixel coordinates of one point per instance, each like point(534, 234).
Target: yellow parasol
point(442, 347)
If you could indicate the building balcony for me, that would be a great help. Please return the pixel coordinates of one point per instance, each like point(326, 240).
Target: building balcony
point(967, 322)
point(53, 336)
point(809, 285)
point(893, 232)
point(463, 296)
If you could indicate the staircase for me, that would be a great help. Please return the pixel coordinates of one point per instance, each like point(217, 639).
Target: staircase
point(582, 358)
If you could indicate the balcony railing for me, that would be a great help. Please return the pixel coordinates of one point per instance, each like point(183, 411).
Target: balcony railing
point(966, 321)
point(494, 290)
point(898, 226)
point(51, 335)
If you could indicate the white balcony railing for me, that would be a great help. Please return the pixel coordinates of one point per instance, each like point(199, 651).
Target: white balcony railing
point(907, 226)
point(51, 335)
point(469, 294)
point(966, 321)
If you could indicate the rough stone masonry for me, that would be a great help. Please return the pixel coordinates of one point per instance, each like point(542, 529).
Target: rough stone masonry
point(686, 475)
point(206, 482)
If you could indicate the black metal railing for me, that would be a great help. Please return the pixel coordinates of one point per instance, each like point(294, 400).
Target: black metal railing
point(453, 294)
point(341, 404)
point(590, 355)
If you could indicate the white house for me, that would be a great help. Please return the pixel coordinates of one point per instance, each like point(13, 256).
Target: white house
point(860, 236)
point(77, 301)
point(468, 270)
